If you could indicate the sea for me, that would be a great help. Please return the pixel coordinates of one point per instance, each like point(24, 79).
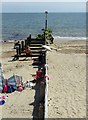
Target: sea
point(18, 26)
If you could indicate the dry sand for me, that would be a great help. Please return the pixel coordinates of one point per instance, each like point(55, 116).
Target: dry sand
point(18, 104)
point(67, 84)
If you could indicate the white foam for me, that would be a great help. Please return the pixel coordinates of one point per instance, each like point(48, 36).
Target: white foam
point(56, 38)
point(69, 38)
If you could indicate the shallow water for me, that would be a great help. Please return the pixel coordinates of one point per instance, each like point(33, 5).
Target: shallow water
point(20, 25)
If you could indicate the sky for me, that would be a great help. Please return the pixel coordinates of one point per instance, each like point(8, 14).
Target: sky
point(44, 0)
point(42, 6)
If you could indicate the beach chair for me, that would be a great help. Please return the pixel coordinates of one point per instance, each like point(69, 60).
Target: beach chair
point(1, 83)
point(15, 81)
point(18, 80)
point(12, 82)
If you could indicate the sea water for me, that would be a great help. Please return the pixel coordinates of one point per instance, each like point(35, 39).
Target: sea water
point(16, 26)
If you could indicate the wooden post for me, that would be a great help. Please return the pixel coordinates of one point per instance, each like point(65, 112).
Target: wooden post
point(22, 44)
point(29, 39)
point(25, 43)
point(44, 58)
point(19, 49)
point(46, 94)
point(46, 20)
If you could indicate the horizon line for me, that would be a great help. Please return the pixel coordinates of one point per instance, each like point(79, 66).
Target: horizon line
point(48, 12)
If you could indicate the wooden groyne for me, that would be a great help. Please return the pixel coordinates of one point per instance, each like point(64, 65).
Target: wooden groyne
point(39, 57)
point(34, 44)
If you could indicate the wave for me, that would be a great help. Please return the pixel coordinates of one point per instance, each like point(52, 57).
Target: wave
point(6, 40)
point(69, 38)
point(55, 38)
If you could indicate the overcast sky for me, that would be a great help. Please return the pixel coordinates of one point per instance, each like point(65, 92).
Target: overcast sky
point(42, 6)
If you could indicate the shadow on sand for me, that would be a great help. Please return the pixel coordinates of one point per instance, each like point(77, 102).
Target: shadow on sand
point(38, 112)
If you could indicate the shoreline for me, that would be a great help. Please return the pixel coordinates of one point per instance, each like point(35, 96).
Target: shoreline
point(55, 38)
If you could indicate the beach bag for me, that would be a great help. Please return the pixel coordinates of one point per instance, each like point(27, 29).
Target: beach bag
point(20, 89)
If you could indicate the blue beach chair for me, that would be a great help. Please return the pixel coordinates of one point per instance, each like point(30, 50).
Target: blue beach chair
point(12, 82)
point(1, 79)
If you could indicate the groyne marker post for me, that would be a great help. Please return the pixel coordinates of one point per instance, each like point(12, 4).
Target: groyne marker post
point(46, 94)
point(46, 20)
point(46, 68)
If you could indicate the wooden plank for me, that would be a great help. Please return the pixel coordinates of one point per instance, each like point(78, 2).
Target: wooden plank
point(34, 39)
point(37, 48)
point(36, 55)
point(40, 51)
point(35, 45)
point(22, 45)
point(37, 42)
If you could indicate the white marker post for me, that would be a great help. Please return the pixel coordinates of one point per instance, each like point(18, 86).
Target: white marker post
point(46, 94)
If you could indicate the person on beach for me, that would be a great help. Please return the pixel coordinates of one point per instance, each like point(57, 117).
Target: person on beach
point(28, 51)
point(38, 73)
point(16, 45)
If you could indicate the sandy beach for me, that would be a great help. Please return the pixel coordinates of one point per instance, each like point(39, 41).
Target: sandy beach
point(67, 83)
point(17, 104)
